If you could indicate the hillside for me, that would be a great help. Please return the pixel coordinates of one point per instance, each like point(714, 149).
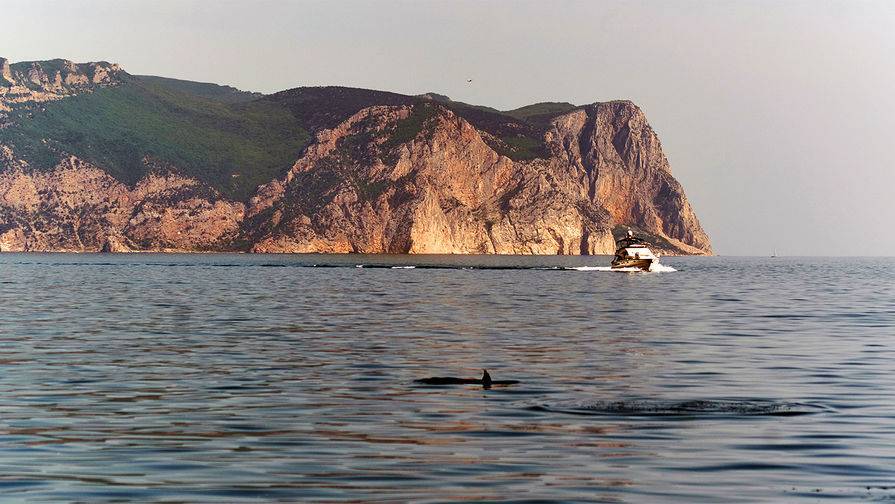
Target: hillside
point(95, 158)
point(223, 137)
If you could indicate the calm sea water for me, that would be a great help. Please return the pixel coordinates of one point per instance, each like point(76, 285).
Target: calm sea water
point(238, 377)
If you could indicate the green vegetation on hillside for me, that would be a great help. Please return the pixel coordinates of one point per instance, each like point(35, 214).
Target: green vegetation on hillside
point(234, 147)
point(521, 147)
point(540, 115)
point(407, 129)
point(216, 92)
point(519, 138)
point(230, 139)
point(539, 109)
point(325, 107)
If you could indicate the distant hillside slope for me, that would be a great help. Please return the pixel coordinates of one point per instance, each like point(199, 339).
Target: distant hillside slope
point(324, 107)
point(93, 158)
point(216, 92)
point(221, 136)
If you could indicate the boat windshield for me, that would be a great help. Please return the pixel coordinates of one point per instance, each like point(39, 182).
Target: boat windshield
point(630, 242)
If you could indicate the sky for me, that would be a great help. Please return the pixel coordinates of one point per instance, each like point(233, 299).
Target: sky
point(778, 117)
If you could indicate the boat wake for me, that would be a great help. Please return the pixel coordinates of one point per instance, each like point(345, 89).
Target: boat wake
point(654, 268)
point(699, 407)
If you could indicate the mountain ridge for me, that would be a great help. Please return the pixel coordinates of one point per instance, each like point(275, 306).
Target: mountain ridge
point(320, 169)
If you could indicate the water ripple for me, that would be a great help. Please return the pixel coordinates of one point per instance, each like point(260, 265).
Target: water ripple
point(255, 378)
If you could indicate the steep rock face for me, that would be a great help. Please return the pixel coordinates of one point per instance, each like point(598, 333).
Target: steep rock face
point(446, 191)
point(442, 191)
point(78, 207)
point(618, 159)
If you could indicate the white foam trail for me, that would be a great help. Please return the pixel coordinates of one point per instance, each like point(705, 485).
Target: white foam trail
point(403, 267)
point(654, 268)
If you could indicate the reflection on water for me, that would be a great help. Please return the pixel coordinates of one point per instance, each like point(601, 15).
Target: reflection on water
point(227, 377)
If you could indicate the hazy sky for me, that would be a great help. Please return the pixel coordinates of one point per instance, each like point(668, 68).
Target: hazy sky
point(778, 117)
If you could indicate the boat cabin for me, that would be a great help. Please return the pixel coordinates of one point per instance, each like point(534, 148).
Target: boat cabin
point(636, 252)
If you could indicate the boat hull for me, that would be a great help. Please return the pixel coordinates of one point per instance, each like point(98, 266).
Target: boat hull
point(643, 264)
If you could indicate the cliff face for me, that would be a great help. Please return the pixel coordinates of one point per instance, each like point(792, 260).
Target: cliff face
point(617, 157)
point(78, 207)
point(442, 191)
point(447, 191)
point(381, 173)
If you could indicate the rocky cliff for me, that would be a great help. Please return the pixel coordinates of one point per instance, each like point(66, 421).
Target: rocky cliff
point(29, 82)
point(78, 207)
point(369, 172)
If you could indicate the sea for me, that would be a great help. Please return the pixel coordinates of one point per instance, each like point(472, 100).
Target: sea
point(257, 378)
